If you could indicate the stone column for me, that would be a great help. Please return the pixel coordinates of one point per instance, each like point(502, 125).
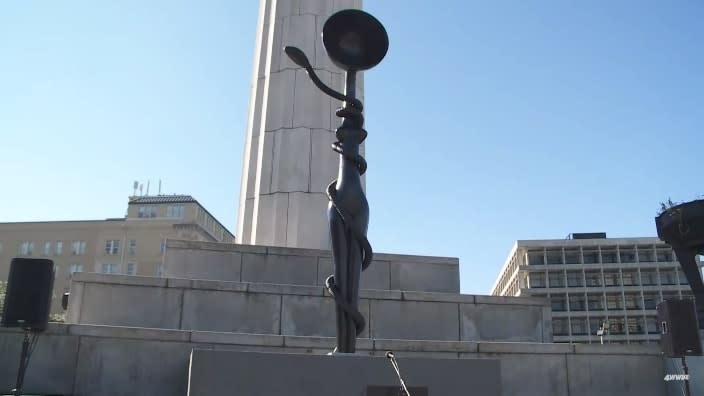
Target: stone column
point(287, 162)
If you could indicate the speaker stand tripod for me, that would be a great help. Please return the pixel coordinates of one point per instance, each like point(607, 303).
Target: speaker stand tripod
point(686, 376)
point(27, 348)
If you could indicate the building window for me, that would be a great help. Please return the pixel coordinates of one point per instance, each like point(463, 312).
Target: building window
point(536, 280)
point(78, 248)
point(682, 278)
point(73, 268)
point(670, 296)
point(614, 302)
point(579, 326)
point(664, 255)
point(593, 278)
point(667, 277)
point(536, 258)
point(608, 256)
point(632, 301)
point(572, 256)
point(558, 303)
point(554, 256)
point(595, 302)
point(58, 248)
point(131, 269)
point(174, 211)
point(559, 327)
point(650, 301)
point(646, 254)
point(133, 247)
point(595, 324)
point(635, 325)
point(611, 278)
point(628, 255)
point(26, 248)
point(648, 277)
point(630, 277)
point(146, 211)
point(46, 249)
point(591, 256)
point(651, 325)
point(617, 326)
point(574, 279)
point(112, 247)
point(109, 268)
point(556, 279)
point(577, 303)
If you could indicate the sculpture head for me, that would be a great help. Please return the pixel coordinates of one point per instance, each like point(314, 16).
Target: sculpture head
point(355, 40)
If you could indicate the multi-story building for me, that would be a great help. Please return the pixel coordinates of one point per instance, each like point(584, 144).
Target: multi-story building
point(591, 280)
point(130, 245)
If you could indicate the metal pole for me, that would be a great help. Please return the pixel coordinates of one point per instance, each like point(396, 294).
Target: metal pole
point(23, 364)
point(686, 376)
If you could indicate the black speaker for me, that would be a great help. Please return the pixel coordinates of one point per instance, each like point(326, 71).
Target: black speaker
point(28, 295)
point(679, 335)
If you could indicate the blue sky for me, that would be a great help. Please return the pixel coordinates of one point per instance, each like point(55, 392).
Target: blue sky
point(488, 121)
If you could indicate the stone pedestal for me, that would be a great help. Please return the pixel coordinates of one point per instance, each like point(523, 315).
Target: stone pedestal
point(287, 162)
point(265, 374)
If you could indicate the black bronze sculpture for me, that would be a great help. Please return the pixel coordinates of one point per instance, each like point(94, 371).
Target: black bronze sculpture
point(354, 41)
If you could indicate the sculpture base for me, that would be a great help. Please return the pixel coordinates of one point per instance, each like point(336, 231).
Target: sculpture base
point(394, 391)
point(251, 373)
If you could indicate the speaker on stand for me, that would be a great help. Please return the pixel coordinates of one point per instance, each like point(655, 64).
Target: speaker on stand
point(27, 305)
point(679, 332)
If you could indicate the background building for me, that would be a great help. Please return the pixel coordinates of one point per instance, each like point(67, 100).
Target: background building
point(590, 279)
point(130, 245)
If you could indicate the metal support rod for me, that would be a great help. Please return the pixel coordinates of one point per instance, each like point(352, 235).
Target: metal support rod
point(686, 376)
point(23, 364)
point(392, 358)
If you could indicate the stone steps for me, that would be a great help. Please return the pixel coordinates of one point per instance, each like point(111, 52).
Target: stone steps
point(75, 359)
point(308, 267)
point(294, 310)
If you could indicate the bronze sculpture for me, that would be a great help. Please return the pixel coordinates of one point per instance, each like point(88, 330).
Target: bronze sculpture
point(354, 41)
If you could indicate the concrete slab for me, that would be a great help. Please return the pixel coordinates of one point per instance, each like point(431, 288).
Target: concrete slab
point(414, 320)
point(125, 367)
point(280, 269)
point(313, 316)
point(184, 259)
point(611, 375)
point(52, 365)
point(486, 322)
point(127, 305)
point(219, 372)
point(231, 312)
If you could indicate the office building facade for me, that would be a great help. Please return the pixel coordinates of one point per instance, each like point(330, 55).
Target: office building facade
point(591, 280)
point(130, 245)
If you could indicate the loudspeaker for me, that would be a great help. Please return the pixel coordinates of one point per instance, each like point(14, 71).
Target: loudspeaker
point(28, 295)
point(678, 328)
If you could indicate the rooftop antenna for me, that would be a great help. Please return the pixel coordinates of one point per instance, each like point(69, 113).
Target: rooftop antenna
point(135, 185)
point(147, 187)
point(159, 187)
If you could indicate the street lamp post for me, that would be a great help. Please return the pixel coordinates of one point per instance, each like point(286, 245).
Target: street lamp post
point(354, 41)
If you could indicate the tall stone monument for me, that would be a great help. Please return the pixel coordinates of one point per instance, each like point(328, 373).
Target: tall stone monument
point(287, 162)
